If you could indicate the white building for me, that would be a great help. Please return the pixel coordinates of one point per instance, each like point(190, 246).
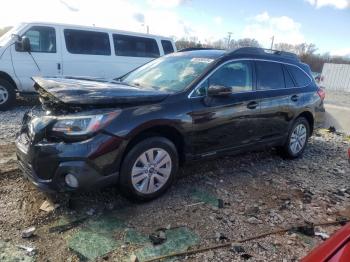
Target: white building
point(336, 77)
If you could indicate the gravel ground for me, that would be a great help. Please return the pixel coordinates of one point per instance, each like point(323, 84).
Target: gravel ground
point(261, 191)
point(337, 98)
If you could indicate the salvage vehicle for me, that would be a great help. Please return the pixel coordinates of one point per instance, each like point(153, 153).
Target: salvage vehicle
point(137, 130)
point(334, 249)
point(51, 49)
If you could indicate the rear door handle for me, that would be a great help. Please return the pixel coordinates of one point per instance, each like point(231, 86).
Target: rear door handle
point(252, 105)
point(58, 66)
point(294, 98)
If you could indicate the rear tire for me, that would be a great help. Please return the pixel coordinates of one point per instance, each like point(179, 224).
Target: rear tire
point(7, 95)
point(297, 139)
point(149, 169)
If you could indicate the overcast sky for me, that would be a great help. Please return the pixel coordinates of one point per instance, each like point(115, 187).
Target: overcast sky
point(323, 22)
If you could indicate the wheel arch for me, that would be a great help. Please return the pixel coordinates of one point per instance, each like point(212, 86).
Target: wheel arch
point(310, 118)
point(8, 78)
point(167, 131)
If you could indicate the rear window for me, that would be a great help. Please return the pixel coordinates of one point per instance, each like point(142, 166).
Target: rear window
point(167, 47)
point(126, 45)
point(87, 42)
point(301, 78)
point(270, 75)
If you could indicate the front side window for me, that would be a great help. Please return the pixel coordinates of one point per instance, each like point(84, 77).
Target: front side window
point(135, 46)
point(167, 47)
point(301, 78)
point(237, 75)
point(170, 73)
point(270, 75)
point(87, 42)
point(42, 39)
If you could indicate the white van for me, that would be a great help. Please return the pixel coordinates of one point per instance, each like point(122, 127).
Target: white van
point(42, 49)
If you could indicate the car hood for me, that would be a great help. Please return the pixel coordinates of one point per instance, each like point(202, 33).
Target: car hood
point(94, 92)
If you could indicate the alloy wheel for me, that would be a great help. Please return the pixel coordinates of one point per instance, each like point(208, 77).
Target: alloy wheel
point(298, 139)
point(4, 95)
point(151, 170)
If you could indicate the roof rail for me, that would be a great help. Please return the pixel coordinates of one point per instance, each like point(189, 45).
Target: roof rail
point(262, 51)
point(197, 48)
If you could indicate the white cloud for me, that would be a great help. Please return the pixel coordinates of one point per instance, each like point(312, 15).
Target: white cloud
point(117, 14)
point(339, 4)
point(263, 17)
point(165, 3)
point(218, 20)
point(341, 52)
point(263, 26)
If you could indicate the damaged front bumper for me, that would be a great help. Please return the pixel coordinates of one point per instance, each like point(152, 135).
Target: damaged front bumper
point(92, 163)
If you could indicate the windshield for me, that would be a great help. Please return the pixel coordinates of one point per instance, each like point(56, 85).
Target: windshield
point(170, 73)
point(8, 35)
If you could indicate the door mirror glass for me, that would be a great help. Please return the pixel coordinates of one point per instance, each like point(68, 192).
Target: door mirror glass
point(219, 91)
point(23, 45)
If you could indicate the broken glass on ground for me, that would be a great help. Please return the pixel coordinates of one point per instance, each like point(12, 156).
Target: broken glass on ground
point(201, 195)
point(9, 253)
point(178, 240)
point(96, 238)
point(134, 237)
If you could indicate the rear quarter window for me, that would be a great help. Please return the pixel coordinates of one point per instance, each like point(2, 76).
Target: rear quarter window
point(87, 42)
point(135, 46)
point(300, 77)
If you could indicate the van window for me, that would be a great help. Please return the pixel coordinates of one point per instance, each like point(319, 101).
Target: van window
point(42, 39)
point(126, 45)
point(237, 75)
point(167, 47)
point(270, 75)
point(87, 42)
point(299, 76)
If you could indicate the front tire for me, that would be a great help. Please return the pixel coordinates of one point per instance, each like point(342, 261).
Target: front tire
point(297, 139)
point(7, 95)
point(149, 169)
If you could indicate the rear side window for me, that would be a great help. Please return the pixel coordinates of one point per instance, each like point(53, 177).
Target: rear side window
point(167, 47)
point(42, 39)
point(270, 75)
point(126, 45)
point(299, 76)
point(87, 42)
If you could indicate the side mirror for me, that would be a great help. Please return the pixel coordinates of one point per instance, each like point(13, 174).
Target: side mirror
point(219, 91)
point(23, 45)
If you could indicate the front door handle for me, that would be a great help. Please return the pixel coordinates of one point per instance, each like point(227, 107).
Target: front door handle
point(252, 105)
point(294, 98)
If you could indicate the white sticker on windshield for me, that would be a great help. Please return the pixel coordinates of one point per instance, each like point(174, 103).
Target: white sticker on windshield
point(201, 60)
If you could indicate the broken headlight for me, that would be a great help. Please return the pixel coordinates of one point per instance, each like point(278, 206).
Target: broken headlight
point(82, 125)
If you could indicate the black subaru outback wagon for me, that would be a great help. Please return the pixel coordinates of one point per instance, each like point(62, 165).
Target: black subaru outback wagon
point(137, 130)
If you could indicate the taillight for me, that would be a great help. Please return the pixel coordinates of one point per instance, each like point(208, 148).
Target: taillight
point(321, 93)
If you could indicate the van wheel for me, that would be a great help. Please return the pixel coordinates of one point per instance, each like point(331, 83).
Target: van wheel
point(149, 169)
point(7, 95)
point(297, 139)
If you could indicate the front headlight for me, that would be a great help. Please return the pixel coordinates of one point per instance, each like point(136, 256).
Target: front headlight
point(83, 125)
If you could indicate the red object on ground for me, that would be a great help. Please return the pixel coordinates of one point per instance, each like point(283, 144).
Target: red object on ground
point(321, 93)
point(334, 249)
